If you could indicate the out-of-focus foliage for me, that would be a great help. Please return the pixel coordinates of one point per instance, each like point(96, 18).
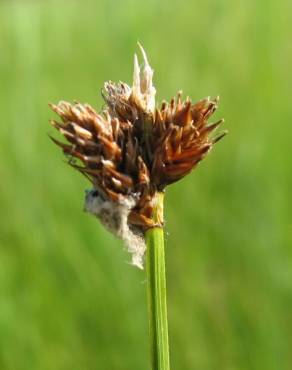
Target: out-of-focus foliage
point(68, 298)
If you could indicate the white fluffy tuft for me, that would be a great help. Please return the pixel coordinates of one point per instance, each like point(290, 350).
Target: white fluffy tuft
point(114, 216)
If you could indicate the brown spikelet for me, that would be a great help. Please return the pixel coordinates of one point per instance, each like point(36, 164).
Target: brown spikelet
point(180, 138)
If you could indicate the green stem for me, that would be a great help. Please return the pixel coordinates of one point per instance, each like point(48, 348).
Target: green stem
point(156, 290)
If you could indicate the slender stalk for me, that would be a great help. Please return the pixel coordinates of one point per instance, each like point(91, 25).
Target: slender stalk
point(156, 290)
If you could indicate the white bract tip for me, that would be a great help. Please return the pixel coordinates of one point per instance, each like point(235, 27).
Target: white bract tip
point(143, 53)
point(143, 89)
point(136, 77)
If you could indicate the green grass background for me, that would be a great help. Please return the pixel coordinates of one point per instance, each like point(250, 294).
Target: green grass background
point(69, 300)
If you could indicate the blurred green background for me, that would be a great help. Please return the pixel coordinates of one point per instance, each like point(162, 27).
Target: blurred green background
point(69, 300)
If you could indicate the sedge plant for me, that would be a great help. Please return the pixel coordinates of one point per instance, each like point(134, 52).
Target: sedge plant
point(130, 152)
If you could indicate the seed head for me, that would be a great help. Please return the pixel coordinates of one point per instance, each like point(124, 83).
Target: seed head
point(132, 149)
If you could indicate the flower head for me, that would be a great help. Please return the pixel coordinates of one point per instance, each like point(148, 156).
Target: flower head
point(132, 149)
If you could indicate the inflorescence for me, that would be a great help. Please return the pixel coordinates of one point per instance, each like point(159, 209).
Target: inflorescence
point(132, 150)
